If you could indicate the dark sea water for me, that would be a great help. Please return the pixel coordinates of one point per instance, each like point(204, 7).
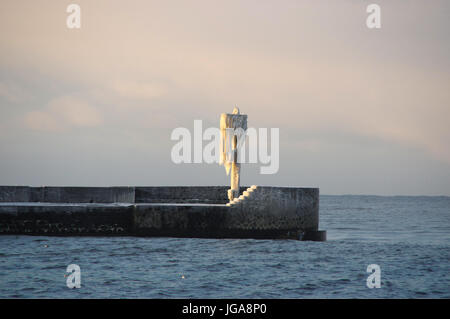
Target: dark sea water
point(408, 237)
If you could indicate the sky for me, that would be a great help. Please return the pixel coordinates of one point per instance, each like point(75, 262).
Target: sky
point(360, 111)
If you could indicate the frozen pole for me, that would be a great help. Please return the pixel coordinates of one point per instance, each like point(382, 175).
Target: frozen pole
point(232, 132)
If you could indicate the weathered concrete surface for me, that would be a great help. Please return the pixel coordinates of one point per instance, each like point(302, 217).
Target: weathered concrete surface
point(264, 212)
point(182, 194)
point(15, 194)
point(279, 207)
point(314, 235)
point(65, 219)
point(213, 221)
point(66, 194)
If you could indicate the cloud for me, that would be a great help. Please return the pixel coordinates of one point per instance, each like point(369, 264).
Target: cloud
point(42, 121)
point(138, 90)
point(12, 92)
point(64, 113)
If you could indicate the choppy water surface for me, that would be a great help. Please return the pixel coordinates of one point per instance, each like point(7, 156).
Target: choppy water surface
point(408, 237)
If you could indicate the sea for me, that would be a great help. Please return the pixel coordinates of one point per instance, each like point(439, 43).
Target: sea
point(407, 238)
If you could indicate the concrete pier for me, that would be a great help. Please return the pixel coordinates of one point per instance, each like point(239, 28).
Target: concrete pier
point(261, 212)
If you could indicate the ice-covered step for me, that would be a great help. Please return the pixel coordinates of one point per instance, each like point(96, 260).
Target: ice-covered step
point(246, 195)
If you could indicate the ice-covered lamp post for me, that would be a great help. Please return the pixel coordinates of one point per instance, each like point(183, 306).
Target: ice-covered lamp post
point(232, 131)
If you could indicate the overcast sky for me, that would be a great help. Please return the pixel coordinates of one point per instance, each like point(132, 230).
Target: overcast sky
point(360, 111)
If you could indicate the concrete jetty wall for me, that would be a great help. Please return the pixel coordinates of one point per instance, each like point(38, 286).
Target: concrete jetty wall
point(178, 211)
point(55, 194)
point(182, 194)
